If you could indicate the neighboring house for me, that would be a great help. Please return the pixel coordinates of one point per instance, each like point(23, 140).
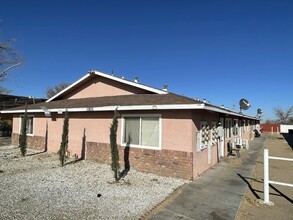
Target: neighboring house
point(12, 101)
point(159, 132)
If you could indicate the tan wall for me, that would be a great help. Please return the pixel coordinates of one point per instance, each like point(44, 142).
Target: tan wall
point(15, 124)
point(99, 87)
point(177, 131)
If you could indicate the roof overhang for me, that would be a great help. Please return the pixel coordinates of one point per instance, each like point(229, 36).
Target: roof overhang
point(135, 108)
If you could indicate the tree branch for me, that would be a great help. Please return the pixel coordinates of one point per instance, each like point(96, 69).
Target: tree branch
point(4, 72)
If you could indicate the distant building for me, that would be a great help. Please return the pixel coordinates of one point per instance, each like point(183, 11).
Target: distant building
point(12, 101)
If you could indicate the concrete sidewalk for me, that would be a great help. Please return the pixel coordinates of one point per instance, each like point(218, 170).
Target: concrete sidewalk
point(218, 192)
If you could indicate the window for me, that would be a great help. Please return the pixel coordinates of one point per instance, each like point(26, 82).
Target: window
point(142, 131)
point(29, 124)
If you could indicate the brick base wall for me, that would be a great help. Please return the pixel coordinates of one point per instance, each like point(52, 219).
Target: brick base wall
point(162, 162)
point(35, 142)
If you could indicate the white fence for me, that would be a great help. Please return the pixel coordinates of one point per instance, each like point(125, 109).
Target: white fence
point(266, 176)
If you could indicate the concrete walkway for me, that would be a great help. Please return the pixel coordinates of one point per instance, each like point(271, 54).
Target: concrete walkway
point(218, 192)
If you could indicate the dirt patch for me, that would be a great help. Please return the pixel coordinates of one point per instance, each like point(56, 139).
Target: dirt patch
point(281, 196)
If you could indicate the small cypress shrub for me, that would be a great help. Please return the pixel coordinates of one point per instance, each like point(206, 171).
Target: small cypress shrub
point(113, 143)
point(23, 131)
point(64, 143)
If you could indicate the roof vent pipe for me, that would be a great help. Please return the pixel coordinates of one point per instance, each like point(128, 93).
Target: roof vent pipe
point(204, 101)
point(136, 79)
point(91, 71)
point(165, 87)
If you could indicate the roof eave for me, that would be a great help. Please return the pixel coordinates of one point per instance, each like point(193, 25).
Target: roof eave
point(136, 107)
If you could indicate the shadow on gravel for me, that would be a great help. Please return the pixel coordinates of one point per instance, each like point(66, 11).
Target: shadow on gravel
point(249, 185)
point(280, 194)
point(247, 180)
point(33, 154)
point(289, 139)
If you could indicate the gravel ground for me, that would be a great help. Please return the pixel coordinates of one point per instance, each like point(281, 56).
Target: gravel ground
point(37, 187)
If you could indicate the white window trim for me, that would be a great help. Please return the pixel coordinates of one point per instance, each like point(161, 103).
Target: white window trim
point(20, 124)
point(141, 116)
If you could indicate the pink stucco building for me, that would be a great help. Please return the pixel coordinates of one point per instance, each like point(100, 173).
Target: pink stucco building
point(159, 132)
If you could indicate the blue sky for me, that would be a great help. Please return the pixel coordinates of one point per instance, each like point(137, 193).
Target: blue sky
point(218, 50)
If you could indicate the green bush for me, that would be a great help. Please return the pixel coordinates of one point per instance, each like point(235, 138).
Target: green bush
point(64, 143)
point(113, 143)
point(23, 131)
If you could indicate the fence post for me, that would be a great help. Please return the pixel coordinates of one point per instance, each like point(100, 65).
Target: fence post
point(266, 189)
point(266, 178)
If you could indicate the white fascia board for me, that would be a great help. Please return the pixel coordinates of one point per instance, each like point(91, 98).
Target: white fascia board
point(69, 87)
point(112, 108)
point(158, 91)
point(137, 107)
point(228, 112)
point(131, 108)
point(21, 111)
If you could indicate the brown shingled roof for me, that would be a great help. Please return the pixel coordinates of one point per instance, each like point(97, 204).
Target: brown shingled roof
point(124, 100)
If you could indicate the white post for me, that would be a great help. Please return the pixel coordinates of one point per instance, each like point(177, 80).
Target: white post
point(266, 189)
point(272, 129)
point(266, 186)
point(277, 130)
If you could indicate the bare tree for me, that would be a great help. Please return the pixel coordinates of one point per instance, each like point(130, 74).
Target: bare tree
point(4, 91)
point(50, 92)
point(9, 58)
point(284, 116)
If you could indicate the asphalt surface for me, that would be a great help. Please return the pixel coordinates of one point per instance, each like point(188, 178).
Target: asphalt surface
point(217, 193)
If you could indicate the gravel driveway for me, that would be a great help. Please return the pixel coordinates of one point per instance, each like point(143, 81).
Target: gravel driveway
point(37, 187)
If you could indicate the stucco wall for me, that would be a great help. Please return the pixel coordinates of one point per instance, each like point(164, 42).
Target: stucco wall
point(99, 87)
point(177, 131)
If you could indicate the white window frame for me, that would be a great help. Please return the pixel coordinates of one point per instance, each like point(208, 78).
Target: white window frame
point(159, 116)
point(20, 123)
